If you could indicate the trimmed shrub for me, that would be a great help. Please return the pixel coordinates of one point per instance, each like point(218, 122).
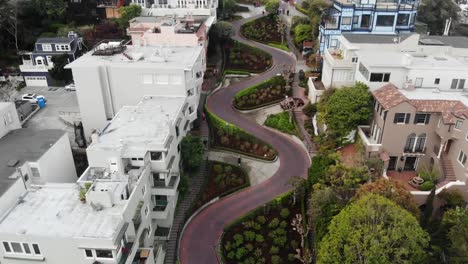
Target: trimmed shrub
point(426, 186)
point(276, 259)
point(284, 213)
point(259, 238)
point(273, 223)
point(274, 250)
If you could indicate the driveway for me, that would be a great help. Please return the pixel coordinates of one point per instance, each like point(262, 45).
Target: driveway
point(201, 236)
point(59, 102)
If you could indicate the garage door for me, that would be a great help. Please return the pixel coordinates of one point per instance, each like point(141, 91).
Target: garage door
point(35, 80)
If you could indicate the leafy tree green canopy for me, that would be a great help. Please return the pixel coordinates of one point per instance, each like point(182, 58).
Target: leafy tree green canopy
point(222, 31)
point(127, 13)
point(272, 6)
point(58, 72)
point(373, 229)
point(455, 223)
point(302, 32)
point(345, 109)
point(435, 12)
point(192, 152)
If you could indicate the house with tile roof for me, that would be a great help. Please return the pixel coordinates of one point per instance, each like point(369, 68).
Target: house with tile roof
point(413, 130)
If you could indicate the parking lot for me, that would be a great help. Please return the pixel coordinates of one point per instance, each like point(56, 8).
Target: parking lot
point(59, 103)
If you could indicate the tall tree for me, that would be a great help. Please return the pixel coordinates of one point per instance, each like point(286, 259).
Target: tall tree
point(127, 13)
point(192, 152)
point(272, 6)
point(455, 227)
point(9, 19)
point(345, 109)
point(222, 31)
point(373, 230)
point(393, 191)
point(435, 12)
point(58, 72)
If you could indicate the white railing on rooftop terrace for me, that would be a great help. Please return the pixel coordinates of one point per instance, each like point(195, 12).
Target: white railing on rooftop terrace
point(370, 144)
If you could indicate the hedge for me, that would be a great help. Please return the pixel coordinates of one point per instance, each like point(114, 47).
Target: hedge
point(300, 9)
point(236, 72)
point(279, 46)
point(274, 81)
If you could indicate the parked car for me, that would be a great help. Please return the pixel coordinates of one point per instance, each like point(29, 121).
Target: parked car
point(70, 87)
point(32, 98)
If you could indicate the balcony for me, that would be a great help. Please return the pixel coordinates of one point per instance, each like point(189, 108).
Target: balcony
point(316, 89)
point(409, 150)
point(137, 216)
point(144, 256)
point(370, 144)
point(169, 189)
point(28, 66)
point(161, 209)
point(336, 59)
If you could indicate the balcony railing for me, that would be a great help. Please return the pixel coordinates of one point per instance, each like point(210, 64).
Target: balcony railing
point(370, 144)
point(414, 150)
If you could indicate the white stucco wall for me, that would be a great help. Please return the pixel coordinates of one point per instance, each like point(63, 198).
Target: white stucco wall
point(8, 118)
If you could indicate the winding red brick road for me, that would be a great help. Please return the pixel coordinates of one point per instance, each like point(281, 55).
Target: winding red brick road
point(199, 240)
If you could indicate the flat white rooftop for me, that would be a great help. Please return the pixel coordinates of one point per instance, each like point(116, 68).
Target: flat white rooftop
point(144, 126)
point(168, 57)
point(56, 211)
point(434, 94)
point(412, 60)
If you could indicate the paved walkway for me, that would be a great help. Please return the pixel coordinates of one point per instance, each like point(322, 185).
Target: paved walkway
point(257, 170)
point(200, 239)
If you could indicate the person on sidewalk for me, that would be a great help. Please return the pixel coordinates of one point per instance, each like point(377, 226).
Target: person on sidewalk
point(239, 160)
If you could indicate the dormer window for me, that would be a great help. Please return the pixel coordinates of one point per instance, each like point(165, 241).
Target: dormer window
point(46, 47)
point(39, 60)
point(62, 47)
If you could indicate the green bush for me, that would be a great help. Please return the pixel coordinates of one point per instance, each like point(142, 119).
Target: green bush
point(319, 167)
point(249, 235)
point(218, 168)
point(273, 223)
point(279, 46)
point(259, 238)
point(426, 186)
point(284, 213)
point(261, 219)
point(310, 109)
point(231, 255)
point(249, 247)
point(275, 259)
point(294, 244)
point(281, 122)
point(241, 252)
point(274, 250)
point(283, 224)
point(239, 239)
point(291, 257)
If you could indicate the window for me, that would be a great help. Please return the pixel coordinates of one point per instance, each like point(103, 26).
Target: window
point(62, 47)
point(27, 250)
point(35, 172)
point(415, 144)
point(16, 247)
point(104, 253)
point(436, 80)
point(178, 148)
point(462, 158)
point(365, 21)
point(364, 71)
point(146, 210)
point(458, 124)
point(46, 47)
point(88, 253)
point(380, 77)
point(6, 246)
point(177, 131)
point(147, 79)
point(385, 21)
point(39, 61)
point(422, 118)
point(155, 155)
point(143, 190)
point(457, 84)
point(403, 19)
point(354, 59)
point(418, 82)
point(190, 92)
point(355, 19)
point(346, 20)
point(333, 43)
point(162, 79)
point(401, 118)
point(36, 249)
point(420, 143)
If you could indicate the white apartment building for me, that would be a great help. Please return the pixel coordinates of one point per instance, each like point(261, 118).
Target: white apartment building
point(114, 75)
point(130, 192)
point(30, 157)
point(407, 61)
point(177, 7)
point(170, 31)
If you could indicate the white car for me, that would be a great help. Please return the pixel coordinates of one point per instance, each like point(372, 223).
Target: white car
point(32, 98)
point(70, 87)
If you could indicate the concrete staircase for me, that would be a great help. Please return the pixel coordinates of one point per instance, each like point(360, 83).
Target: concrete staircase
point(181, 216)
point(448, 173)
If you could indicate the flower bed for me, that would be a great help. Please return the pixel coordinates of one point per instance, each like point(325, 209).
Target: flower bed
point(223, 179)
point(245, 57)
point(264, 29)
point(281, 122)
point(230, 137)
point(262, 94)
point(264, 235)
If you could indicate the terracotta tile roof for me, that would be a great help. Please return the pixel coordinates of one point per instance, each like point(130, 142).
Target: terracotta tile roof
point(389, 96)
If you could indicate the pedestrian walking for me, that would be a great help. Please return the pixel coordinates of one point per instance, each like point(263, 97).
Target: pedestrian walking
point(239, 160)
point(287, 12)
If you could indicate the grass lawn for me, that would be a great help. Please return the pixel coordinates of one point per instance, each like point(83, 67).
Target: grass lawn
point(281, 122)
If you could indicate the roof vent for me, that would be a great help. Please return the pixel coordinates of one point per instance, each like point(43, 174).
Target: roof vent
point(12, 163)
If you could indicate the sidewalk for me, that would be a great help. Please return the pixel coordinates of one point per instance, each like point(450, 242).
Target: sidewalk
point(257, 170)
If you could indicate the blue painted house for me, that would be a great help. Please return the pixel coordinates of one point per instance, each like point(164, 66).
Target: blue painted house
point(388, 17)
point(36, 64)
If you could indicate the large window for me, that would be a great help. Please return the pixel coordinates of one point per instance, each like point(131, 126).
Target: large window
point(155, 155)
point(422, 118)
point(379, 77)
point(346, 20)
point(462, 158)
point(46, 47)
point(458, 84)
point(403, 19)
point(21, 249)
point(62, 47)
point(415, 144)
point(104, 253)
point(365, 21)
point(364, 71)
point(385, 20)
point(458, 125)
point(401, 118)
